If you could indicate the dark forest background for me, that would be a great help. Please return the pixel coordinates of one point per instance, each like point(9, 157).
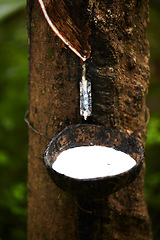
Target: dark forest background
point(14, 131)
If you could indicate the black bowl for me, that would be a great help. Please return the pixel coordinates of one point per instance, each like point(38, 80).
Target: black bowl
point(89, 135)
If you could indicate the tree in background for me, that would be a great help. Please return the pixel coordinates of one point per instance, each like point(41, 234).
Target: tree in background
point(119, 70)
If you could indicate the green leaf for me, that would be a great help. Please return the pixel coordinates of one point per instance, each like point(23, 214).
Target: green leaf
point(9, 7)
point(4, 158)
point(153, 129)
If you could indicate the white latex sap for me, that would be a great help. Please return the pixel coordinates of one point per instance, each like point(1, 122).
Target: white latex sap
point(92, 161)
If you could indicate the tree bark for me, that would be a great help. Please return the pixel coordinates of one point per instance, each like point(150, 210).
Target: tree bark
point(119, 71)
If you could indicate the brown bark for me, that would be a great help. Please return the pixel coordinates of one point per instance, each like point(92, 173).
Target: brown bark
point(119, 71)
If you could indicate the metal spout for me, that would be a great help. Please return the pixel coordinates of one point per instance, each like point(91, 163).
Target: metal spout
point(85, 95)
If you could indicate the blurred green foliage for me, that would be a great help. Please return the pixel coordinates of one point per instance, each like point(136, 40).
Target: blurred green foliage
point(13, 130)
point(9, 7)
point(152, 178)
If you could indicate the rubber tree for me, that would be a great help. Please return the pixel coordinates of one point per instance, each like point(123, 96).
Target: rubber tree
point(118, 67)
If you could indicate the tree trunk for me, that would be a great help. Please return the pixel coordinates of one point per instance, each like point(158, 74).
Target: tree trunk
point(119, 71)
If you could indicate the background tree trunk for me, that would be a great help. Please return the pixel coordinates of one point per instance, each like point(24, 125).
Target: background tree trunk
point(119, 71)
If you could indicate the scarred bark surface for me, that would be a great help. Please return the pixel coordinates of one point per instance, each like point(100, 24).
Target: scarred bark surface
point(119, 71)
